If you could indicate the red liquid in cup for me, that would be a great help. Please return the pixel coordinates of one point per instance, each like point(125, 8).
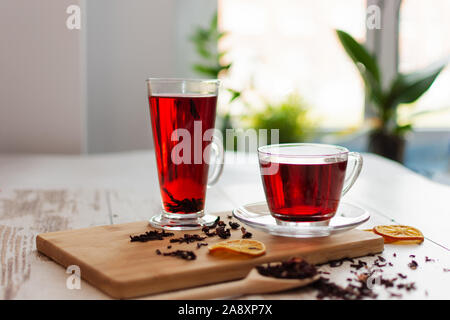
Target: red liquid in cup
point(183, 186)
point(304, 192)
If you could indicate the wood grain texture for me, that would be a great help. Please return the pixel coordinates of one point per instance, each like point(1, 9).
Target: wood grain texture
point(109, 261)
point(15, 250)
point(25, 213)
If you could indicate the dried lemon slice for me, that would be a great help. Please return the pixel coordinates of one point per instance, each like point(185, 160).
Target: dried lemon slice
point(244, 246)
point(397, 232)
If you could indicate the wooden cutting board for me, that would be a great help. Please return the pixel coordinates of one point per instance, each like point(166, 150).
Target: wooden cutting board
point(124, 269)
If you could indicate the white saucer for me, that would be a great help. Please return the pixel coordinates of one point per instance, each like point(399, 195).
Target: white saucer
point(257, 215)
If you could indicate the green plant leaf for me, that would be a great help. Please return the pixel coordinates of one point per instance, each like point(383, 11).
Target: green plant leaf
point(222, 34)
point(213, 25)
point(407, 88)
point(203, 52)
point(359, 54)
point(207, 70)
point(366, 65)
point(373, 88)
point(234, 94)
point(401, 130)
point(425, 112)
point(226, 67)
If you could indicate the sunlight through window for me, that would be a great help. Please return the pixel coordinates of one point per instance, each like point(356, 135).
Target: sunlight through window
point(280, 47)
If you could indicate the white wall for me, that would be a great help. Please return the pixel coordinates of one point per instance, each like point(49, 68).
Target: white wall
point(70, 91)
point(189, 15)
point(41, 74)
point(127, 42)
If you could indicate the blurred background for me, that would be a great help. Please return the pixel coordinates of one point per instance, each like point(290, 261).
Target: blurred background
point(283, 65)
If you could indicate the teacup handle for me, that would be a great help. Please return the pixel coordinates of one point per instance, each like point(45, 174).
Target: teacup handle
point(350, 180)
point(218, 163)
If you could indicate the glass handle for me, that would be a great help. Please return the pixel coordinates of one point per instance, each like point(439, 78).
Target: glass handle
point(356, 170)
point(218, 163)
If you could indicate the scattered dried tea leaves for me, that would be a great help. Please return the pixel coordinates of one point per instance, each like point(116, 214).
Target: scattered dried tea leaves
point(407, 286)
point(359, 265)
point(188, 238)
point(245, 233)
point(223, 233)
point(413, 265)
point(328, 289)
point(201, 244)
point(151, 235)
point(376, 263)
point(295, 268)
point(234, 225)
point(214, 225)
point(336, 263)
point(182, 254)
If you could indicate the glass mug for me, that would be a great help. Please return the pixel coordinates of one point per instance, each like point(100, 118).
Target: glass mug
point(304, 182)
point(183, 113)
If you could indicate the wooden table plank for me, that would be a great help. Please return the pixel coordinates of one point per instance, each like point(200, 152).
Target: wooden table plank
point(138, 205)
point(404, 196)
point(24, 214)
point(127, 190)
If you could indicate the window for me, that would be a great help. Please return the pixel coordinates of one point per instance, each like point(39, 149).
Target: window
point(286, 46)
point(423, 39)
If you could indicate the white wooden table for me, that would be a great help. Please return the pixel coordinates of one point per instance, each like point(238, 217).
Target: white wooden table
point(53, 192)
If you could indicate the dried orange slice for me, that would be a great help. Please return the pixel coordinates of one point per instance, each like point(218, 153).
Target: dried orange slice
point(404, 241)
point(398, 232)
point(244, 246)
point(386, 239)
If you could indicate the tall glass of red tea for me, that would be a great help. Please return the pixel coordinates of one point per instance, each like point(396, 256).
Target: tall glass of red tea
point(304, 182)
point(182, 113)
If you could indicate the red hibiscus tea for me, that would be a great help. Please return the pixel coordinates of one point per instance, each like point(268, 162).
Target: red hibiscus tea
point(183, 173)
point(305, 182)
point(305, 192)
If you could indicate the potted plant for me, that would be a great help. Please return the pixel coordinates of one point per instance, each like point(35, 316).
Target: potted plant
point(206, 40)
point(387, 137)
point(291, 116)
